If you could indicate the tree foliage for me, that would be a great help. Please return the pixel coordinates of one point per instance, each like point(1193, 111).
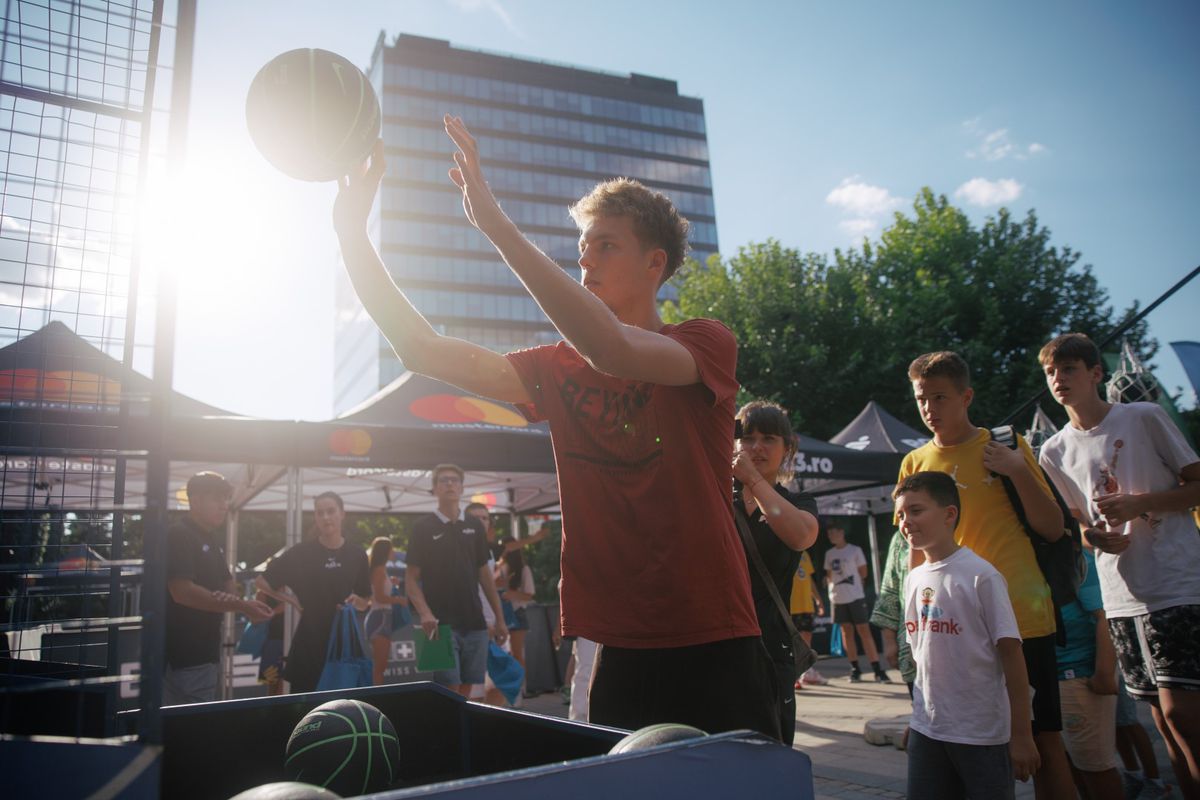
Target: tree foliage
point(822, 334)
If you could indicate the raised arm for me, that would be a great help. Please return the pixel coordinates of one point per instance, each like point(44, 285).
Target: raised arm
point(608, 344)
point(419, 346)
point(794, 527)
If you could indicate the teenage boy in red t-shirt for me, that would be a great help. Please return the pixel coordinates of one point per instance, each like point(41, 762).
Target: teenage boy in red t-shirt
point(641, 416)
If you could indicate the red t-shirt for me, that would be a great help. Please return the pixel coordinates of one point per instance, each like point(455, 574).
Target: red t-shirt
point(650, 554)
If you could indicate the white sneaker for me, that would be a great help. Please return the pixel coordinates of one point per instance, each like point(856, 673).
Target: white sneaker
point(812, 677)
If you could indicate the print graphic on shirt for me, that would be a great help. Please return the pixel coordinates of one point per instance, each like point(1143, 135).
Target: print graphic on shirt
point(623, 432)
point(1109, 484)
point(835, 566)
point(954, 477)
point(931, 617)
point(332, 563)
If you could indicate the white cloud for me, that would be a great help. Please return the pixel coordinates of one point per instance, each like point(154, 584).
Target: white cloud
point(998, 144)
point(982, 192)
point(862, 199)
point(863, 205)
point(858, 227)
point(494, 7)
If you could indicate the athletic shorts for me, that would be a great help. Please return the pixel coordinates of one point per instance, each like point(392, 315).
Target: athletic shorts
point(378, 623)
point(803, 622)
point(1089, 726)
point(470, 659)
point(853, 613)
point(1041, 663)
point(1158, 650)
point(718, 686)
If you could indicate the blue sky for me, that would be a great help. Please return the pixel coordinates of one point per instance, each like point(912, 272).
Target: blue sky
point(823, 118)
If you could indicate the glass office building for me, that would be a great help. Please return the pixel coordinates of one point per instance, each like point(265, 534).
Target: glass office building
point(547, 133)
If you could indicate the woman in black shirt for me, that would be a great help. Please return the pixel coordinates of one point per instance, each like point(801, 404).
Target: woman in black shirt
point(782, 524)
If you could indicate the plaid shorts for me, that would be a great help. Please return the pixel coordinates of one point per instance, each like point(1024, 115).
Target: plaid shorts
point(1158, 650)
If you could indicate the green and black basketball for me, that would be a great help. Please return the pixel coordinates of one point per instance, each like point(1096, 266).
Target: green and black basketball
point(346, 746)
point(313, 114)
point(654, 735)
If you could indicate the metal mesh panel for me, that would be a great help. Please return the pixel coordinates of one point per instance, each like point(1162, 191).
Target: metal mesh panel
point(77, 80)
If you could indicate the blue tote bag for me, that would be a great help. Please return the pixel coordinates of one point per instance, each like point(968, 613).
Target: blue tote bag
point(347, 660)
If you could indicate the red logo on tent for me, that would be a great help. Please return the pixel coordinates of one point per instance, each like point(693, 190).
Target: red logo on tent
point(58, 386)
point(464, 410)
point(355, 442)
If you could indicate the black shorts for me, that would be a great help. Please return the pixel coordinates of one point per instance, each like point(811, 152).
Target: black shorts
point(803, 622)
point(718, 686)
point(1041, 663)
point(1157, 651)
point(852, 613)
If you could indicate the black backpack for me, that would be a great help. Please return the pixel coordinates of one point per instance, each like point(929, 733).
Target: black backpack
point(1061, 561)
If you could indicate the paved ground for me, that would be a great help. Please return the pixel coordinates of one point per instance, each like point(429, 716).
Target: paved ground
point(829, 729)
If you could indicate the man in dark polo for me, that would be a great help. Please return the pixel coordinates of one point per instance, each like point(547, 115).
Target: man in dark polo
point(199, 590)
point(447, 564)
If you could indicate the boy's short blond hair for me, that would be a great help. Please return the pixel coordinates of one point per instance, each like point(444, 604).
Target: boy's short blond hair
point(941, 364)
point(656, 221)
point(1069, 347)
point(440, 468)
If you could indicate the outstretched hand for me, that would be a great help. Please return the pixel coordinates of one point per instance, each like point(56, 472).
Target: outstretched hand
point(356, 193)
point(479, 203)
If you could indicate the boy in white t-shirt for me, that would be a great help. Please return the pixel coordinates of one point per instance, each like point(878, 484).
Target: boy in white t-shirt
point(1130, 478)
point(968, 736)
point(845, 571)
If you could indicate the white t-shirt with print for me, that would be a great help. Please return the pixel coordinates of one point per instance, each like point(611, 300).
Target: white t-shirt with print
point(955, 611)
point(1134, 450)
point(841, 569)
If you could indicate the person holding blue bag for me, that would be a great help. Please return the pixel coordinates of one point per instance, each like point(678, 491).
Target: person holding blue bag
point(324, 573)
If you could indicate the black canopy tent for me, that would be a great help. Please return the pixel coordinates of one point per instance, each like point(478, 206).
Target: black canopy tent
point(63, 425)
point(873, 432)
point(75, 426)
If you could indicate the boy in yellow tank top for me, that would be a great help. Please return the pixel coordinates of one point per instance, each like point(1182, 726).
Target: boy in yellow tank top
point(989, 526)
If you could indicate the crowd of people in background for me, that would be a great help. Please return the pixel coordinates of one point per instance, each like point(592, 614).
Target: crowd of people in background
point(679, 560)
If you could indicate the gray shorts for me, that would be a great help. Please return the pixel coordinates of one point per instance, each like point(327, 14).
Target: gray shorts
point(196, 684)
point(470, 659)
point(949, 771)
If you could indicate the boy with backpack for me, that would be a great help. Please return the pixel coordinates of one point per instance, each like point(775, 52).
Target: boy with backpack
point(990, 526)
point(1130, 477)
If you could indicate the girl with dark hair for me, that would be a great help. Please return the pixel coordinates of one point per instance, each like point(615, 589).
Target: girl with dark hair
point(782, 525)
point(515, 578)
point(378, 625)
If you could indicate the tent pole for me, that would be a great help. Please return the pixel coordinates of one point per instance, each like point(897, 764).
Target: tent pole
point(227, 620)
point(295, 514)
point(871, 533)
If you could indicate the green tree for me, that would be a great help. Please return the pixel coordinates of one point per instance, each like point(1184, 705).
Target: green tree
point(824, 334)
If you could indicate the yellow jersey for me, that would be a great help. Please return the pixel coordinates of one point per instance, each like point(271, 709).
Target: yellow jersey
point(989, 525)
point(802, 597)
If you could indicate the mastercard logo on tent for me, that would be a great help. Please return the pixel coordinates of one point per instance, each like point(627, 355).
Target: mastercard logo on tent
point(59, 386)
point(355, 442)
point(454, 408)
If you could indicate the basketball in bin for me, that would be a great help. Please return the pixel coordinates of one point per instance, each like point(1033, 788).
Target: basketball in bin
point(346, 746)
point(313, 114)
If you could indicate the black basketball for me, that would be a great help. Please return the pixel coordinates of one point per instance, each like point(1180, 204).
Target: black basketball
point(286, 790)
point(347, 746)
point(654, 735)
point(313, 114)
